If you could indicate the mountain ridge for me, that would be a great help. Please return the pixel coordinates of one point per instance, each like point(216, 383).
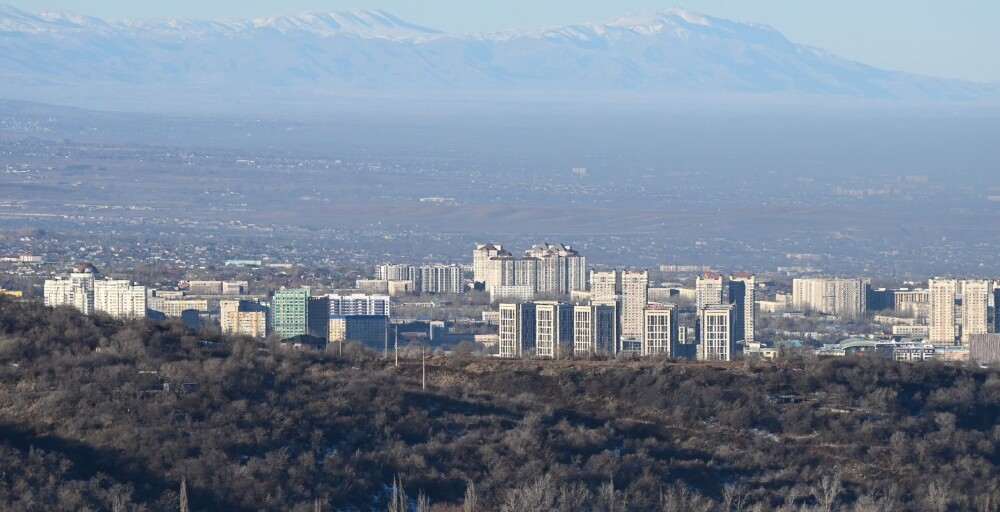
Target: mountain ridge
point(667, 52)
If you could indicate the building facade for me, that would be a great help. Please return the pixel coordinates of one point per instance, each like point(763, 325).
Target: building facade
point(553, 328)
point(742, 290)
point(635, 296)
point(717, 341)
point(120, 299)
point(481, 257)
point(710, 290)
point(76, 291)
point(846, 298)
point(975, 309)
point(290, 313)
point(660, 330)
point(942, 318)
point(440, 279)
point(560, 269)
point(359, 304)
point(243, 318)
point(605, 286)
point(516, 328)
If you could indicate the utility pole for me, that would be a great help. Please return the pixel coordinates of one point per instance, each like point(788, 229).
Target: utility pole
point(385, 349)
point(423, 369)
point(395, 331)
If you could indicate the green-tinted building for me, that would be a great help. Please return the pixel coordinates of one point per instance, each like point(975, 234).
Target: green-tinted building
point(290, 313)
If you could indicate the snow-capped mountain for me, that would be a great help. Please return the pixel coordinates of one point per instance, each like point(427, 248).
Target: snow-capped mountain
point(666, 52)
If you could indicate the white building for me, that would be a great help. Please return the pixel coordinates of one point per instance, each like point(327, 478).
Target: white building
point(635, 296)
point(595, 329)
point(120, 299)
point(561, 269)
point(553, 328)
point(517, 276)
point(516, 330)
point(75, 291)
point(841, 297)
point(440, 279)
point(942, 318)
point(359, 304)
point(975, 309)
point(481, 257)
point(717, 341)
point(710, 290)
point(660, 330)
point(605, 287)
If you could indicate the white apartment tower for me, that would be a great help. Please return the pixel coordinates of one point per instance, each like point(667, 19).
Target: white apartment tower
point(120, 299)
point(718, 342)
point(975, 309)
point(359, 305)
point(660, 330)
point(76, 291)
point(635, 295)
point(561, 269)
point(842, 297)
point(516, 328)
point(942, 311)
point(710, 290)
point(553, 326)
point(481, 257)
point(605, 287)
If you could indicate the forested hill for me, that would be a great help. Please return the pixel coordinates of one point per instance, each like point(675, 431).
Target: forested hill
point(100, 415)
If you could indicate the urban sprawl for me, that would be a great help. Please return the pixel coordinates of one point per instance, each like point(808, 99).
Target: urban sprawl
point(548, 303)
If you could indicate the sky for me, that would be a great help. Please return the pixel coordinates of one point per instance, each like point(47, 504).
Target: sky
point(951, 39)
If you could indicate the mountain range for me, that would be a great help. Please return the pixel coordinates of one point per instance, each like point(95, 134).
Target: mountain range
point(668, 52)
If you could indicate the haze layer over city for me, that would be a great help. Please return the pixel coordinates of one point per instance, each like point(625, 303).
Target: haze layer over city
point(499, 256)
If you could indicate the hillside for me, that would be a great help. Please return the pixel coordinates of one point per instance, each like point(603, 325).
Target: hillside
point(98, 415)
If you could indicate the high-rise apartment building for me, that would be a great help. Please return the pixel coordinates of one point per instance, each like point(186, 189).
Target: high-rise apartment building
point(290, 313)
point(561, 269)
point(481, 257)
point(75, 291)
point(359, 304)
point(440, 279)
point(912, 302)
point(710, 290)
point(553, 328)
point(217, 287)
point(595, 329)
point(319, 317)
point(717, 342)
point(635, 296)
point(660, 330)
point(943, 293)
point(605, 286)
point(512, 278)
point(243, 318)
point(742, 291)
point(841, 297)
point(975, 309)
point(397, 272)
point(516, 328)
point(120, 299)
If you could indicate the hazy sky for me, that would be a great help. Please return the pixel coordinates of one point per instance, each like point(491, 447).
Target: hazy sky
point(955, 38)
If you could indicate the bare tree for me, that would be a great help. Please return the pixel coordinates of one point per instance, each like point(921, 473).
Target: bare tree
point(734, 498)
point(398, 501)
point(828, 491)
point(937, 497)
point(184, 496)
point(423, 503)
point(471, 503)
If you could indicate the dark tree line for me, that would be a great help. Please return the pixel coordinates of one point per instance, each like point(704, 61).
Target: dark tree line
point(101, 415)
